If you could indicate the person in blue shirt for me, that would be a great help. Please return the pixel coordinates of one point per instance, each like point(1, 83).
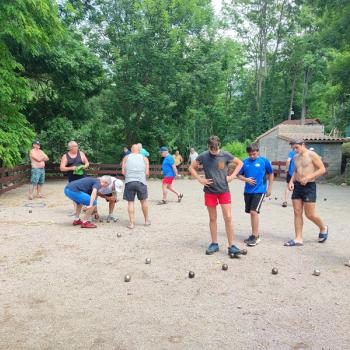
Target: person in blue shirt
point(254, 172)
point(290, 172)
point(143, 151)
point(169, 171)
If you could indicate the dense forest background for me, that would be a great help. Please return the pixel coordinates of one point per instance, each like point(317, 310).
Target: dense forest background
point(108, 73)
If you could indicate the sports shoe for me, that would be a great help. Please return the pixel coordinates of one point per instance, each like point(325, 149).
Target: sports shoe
point(233, 250)
point(213, 248)
point(88, 224)
point(77, 222)
point(284, 204)
point(253, 241)
point(248, 239)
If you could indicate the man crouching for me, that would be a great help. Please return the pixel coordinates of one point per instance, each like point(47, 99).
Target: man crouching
point(84, 193)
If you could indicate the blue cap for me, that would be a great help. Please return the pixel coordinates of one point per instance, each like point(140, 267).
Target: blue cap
point(163, 149)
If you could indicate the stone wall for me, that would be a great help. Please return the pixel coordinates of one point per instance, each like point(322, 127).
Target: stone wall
point(332, 155)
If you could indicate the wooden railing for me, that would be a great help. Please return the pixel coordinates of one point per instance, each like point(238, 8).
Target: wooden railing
point(11, 178)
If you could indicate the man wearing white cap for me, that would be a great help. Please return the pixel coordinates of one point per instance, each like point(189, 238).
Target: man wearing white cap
point(110, 195)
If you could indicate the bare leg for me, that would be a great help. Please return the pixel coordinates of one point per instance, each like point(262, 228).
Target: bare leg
point(131, 212)
point(165, 192)
point(298, 219)
point(144, 206)
point(226, 212)
point(309, 209)
point(254, 219)
point(213, 224)
point(111, 204)
point(171, 188)
point(286, 193)
point(39, 189)
point(88, 212)
point(31, 190)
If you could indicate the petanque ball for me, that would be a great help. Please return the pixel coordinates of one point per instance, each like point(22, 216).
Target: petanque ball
point(101, 220)
point(316, 272)
point(324, 199)
point(127, 278)
point(276, 198)
point(347, 263)
point(107, 221)
point(147, 260)
point(119, 234)
point(224, 267)
point(233, 256)
point(191, 274)
point(244, 251)
point(30, 211)
point(274, 271)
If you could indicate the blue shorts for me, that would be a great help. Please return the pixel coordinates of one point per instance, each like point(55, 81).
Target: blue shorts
point(78, 197)
point(38, 176)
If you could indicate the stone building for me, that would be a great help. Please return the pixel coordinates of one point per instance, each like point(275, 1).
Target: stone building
point(274, 143)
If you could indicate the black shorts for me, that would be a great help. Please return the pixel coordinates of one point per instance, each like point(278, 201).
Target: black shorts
point(135, 188)
point(288, 178)
point(306, 193)
point(253, 201)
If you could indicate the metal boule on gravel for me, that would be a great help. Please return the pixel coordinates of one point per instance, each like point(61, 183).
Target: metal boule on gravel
point(101, 220)
point(316, 272)
point(107, 221)
point(347, 263)
point(119, 234)
point(244, 251)
point(274, 271)
point(234, 256)
point(30, 211)
point(147, 260)
point(191, 274)
point(127, 278)
point(276, 198)
point(115, 220)
point(324, 199)
point(224, 267)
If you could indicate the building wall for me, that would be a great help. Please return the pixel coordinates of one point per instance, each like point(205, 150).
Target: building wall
point(268, 145)
point(332, 155)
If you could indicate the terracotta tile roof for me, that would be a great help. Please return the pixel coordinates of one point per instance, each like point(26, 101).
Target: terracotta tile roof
point(311, 137)
point(310, 121)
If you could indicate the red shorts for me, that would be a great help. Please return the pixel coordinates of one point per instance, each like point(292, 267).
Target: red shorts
point(168, 180)
point(213, 199)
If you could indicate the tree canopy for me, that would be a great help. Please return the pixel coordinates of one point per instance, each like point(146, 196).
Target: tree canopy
point(109, 73)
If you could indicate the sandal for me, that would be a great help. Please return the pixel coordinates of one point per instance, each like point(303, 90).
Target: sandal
point(293, 243)
point(322, 236)
point(179, 197)
point(162, 202)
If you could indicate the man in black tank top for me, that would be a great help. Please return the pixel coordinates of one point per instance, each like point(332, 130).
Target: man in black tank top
point(74, 162)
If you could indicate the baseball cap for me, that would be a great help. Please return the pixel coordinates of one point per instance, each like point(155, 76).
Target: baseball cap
point(35, 142)
point(163, 149)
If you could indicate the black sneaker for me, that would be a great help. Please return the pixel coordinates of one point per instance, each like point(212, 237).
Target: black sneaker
point(248, 239)
point(253, 241)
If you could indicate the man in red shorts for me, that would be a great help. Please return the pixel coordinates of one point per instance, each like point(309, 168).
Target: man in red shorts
point(169, 173)
point(216, 190)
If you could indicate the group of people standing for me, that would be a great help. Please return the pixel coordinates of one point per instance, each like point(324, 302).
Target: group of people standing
point(220, 168)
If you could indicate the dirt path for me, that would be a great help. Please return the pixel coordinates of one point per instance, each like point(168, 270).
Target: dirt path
point(63, 287)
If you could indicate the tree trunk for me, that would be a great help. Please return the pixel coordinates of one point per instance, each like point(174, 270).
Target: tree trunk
point(292, 97)
point(304, 96)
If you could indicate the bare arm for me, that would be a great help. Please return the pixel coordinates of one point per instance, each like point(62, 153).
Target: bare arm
point(193, 169)
point(269, 187)
point(250, 180)
point(46, 158)
point(123, 164)
point(34, 157)
point(317, 162)
point(238, 163)
point(147, 165)
point(63, 164)
point(85, 160)
point(175, 170)
point(93, 197)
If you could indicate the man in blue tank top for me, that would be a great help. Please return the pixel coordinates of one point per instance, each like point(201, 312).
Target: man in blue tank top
point(253, 173)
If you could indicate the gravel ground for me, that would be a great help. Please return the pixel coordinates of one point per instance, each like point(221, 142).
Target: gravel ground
point(63, 287)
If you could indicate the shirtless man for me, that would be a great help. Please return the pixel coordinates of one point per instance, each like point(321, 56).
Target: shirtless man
point(38, 159)
point(308, 166)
